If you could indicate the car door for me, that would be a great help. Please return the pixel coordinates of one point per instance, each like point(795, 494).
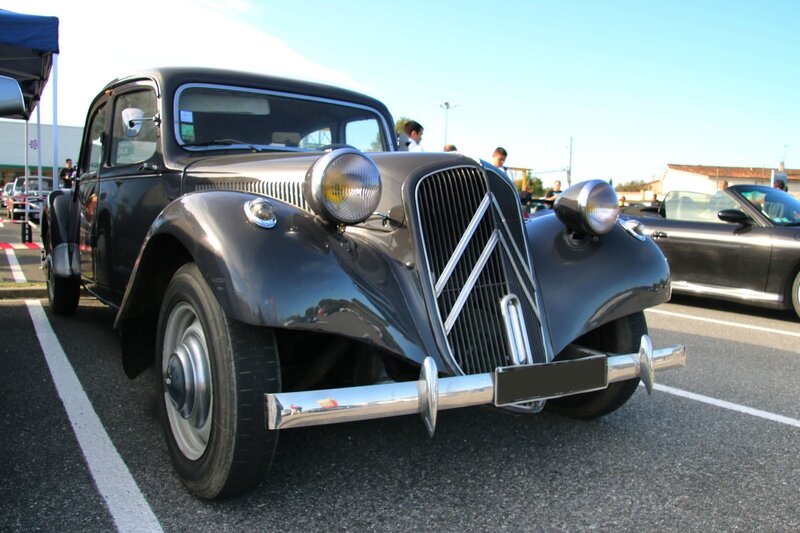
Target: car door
point(130, 191)
point(90, 164)
point(702, 249)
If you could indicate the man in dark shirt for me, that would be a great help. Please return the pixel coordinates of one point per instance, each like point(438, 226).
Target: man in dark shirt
point(551, 195)
point(66, 174)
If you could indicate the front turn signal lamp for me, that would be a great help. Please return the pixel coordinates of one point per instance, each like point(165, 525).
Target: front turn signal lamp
point(343, 186)
point(259, 211)
point(589, 208)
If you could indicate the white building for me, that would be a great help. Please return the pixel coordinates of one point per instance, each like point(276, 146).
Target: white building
point(707, 179)
point(13, 148)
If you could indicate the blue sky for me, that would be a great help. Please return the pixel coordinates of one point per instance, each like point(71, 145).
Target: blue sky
point(635, 84)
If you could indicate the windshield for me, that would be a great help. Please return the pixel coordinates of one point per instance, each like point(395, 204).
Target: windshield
point(781, 208)
point(212, 117)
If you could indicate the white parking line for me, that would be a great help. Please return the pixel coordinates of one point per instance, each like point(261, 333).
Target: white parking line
point(725, 323)
point(126, 504)
point(16, 270)
point(729, 405)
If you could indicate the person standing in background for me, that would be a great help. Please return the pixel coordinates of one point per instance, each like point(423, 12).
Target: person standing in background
point(413, 130)
point(499, 158)
point(551, 195)
point(66, 174)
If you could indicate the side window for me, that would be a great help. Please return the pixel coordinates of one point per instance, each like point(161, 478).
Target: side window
point(696, 207)
point(135, 133)
point(93, 159)
point(364, 135)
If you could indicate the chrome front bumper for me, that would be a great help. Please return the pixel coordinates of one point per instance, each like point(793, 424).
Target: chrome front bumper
point(431, 394)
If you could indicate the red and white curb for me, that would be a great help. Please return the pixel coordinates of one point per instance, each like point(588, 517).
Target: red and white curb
point(20, 246)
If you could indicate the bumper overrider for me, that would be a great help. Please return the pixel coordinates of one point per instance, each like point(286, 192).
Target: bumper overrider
point(504, 386)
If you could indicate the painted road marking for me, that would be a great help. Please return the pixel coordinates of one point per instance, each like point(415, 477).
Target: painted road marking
point(16, 270)
point(766, 415)
point(126, 503)
point(725, 323)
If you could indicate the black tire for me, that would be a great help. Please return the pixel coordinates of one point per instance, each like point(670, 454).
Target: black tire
point(796, 294)
point(620, 336)
point(63, 294)
point(227, 450)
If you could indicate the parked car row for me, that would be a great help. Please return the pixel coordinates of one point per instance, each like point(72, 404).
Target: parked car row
point(23, 195)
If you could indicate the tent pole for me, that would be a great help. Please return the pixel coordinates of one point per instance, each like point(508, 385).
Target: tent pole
point(39, 144)
point(56, 185)
point(25, 151)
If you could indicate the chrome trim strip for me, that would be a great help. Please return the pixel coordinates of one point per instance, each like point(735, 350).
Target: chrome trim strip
point(516, 330)
point(462, 244)
point(287, 410)
point(466, 290)
point(525, 287)
point(739, 294)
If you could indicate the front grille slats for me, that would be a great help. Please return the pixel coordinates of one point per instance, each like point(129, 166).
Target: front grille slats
point(288, 191)
point(446, 203)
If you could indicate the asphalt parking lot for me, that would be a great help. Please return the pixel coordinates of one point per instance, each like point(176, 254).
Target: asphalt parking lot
point(714, 448)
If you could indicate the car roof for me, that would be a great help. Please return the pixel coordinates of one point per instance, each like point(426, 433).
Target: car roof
point(169, 78)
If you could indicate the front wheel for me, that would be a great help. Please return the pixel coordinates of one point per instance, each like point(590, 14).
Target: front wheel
point(618, 337)
point(63, 293)
point(212, 373)
point(796, 294)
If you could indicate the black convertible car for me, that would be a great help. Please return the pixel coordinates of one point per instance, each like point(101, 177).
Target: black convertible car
point(740, 244)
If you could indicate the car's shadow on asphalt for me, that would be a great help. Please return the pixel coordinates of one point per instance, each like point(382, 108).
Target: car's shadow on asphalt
point(734, 307)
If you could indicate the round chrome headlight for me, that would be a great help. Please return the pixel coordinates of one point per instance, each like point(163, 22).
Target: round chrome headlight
point(343, 186)
point(590, 207)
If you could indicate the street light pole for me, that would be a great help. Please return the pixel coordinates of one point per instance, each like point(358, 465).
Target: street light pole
point(569, 166)
point(447, 106)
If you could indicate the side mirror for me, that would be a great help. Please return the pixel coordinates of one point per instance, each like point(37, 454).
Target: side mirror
point(11, 100)
point(132, 119)
point(734, 216)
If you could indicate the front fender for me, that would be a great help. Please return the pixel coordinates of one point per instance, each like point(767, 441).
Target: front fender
point(587, 283)
point(62, 253)
point(298, 275)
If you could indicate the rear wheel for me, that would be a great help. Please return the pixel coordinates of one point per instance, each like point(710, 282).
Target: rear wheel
point(620, 336)
point(212, 375)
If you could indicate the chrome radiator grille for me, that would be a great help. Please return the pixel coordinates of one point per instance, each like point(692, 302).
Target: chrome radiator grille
point(474, 261)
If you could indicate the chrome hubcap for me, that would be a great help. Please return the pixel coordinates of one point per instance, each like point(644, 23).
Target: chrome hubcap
point(187, 381)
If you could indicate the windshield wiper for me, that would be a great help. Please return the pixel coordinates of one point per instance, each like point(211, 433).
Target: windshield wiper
point(224, 142)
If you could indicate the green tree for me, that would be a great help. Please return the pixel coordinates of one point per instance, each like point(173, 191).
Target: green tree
point(632, 186)
point(399, 124)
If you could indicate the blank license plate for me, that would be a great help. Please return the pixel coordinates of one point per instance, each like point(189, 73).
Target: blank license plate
point(515, 384)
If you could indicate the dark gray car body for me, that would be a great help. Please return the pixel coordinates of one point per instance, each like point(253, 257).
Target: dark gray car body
point(128, 227)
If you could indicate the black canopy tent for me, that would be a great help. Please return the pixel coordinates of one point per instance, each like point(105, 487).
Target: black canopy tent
point(28, 52)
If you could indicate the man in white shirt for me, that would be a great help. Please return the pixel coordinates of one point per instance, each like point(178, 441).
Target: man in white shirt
point(413, 130)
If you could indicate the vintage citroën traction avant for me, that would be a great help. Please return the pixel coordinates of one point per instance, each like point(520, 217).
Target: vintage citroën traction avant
point(282, 264)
